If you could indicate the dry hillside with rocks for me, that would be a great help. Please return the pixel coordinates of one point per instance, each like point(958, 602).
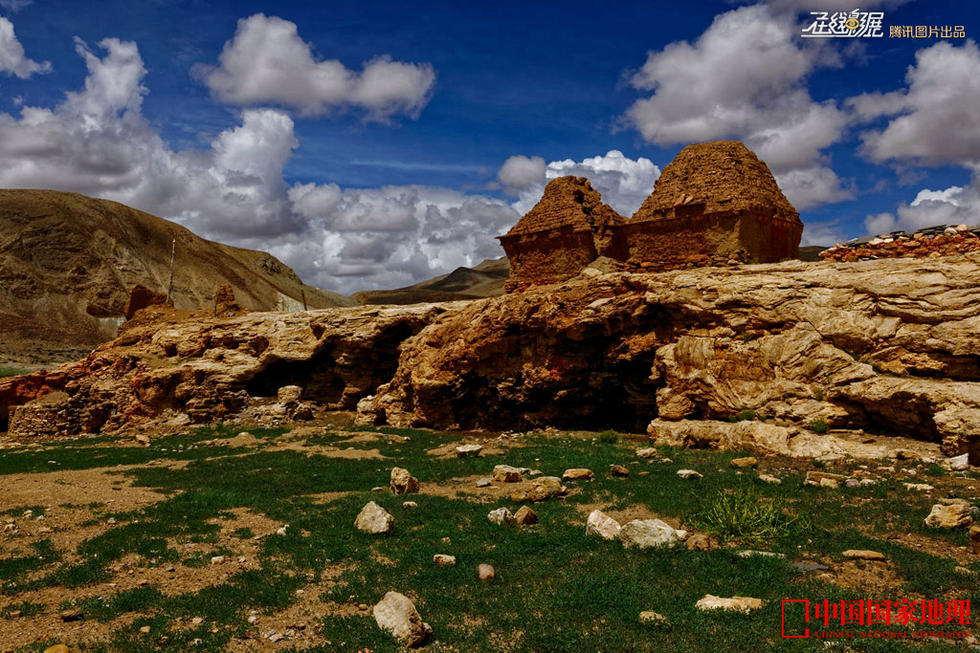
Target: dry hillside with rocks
point(68, 263)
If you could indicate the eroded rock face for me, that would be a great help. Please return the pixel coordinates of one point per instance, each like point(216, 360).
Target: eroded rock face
point(794, 342)
point(192, 367)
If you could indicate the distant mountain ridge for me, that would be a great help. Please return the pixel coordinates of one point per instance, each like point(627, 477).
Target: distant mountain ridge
point(68, 263)
point(483, 280)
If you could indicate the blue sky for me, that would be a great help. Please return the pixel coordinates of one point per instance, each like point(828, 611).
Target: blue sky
point(374, 144)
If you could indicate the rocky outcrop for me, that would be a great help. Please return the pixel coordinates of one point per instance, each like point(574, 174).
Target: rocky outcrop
point(889, 346)
point(199, 368)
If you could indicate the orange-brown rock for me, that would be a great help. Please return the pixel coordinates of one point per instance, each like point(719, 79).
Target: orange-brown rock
point(788, 341)
point(141, 297)
point(197, 368)
point(565, 231)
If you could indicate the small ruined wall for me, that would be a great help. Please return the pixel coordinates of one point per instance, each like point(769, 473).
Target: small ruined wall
point(547, 257)
point(932, 243)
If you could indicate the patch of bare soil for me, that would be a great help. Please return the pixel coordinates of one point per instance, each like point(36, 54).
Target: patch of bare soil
point(871, 578)
point(623, 515)
point(464, 487)
point(328, 451)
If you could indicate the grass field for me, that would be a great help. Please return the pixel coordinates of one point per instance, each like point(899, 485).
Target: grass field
point(132, 557)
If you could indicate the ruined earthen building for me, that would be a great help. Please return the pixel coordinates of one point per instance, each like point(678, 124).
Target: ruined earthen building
point(715, 203)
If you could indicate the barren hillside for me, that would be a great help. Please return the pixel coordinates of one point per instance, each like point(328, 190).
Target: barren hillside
point(68, 262)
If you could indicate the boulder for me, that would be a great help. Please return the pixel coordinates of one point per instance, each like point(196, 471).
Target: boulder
point(954, 515)
point(501, 517)
point(736, 603)
point(540, 489)
point(485, 572)
point(578, 474)
point(823, 479)
point(749, 461)
point(396, 614)
point(444, 560)
point(601, 524)
point(465, 450)
point(507, 474)
point(689, 474)
point(652, 618)
point(525, 516)
point(374, 519)
point(402, 481)
point(619, 471)
point(648, 533)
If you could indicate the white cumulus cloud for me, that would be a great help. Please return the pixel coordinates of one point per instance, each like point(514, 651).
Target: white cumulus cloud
point(937, 122)
point(13, 60)
point(268, 63)
point(97, 142)
point(744, 78)
point(623, 182)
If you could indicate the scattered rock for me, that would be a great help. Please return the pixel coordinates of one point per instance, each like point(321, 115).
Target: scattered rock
point(444, 560)
point(648, 533)
point(653, 618)
point(955, 515)
point(465, 450)
point(823, 479)
point(768, 478)
point(737, 603)
point(374, 519)
point(648, 452)
point(749, 461)
point(289, 394)
point(485, 572)
point(402, 482)
point(410, 504)
point(689, 474)
point(959, 463)
point(751, 553)
point(918, 487)
point(217, 560)
point(810, 566)
point(601, 524)
point(701, 542)
point(396, 614)
point(525, 516)
point(540, 489)
point(72, 614)
point(145, 629)
point(975, 538)
point(506, 474)
point(57, 648)
point(619, 471)
point(861, 554)
point(501, 517)
point(483, 482)
point(577, 474)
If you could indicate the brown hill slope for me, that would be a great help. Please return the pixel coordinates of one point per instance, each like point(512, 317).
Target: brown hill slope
point(480, 281)
point(68, 262)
